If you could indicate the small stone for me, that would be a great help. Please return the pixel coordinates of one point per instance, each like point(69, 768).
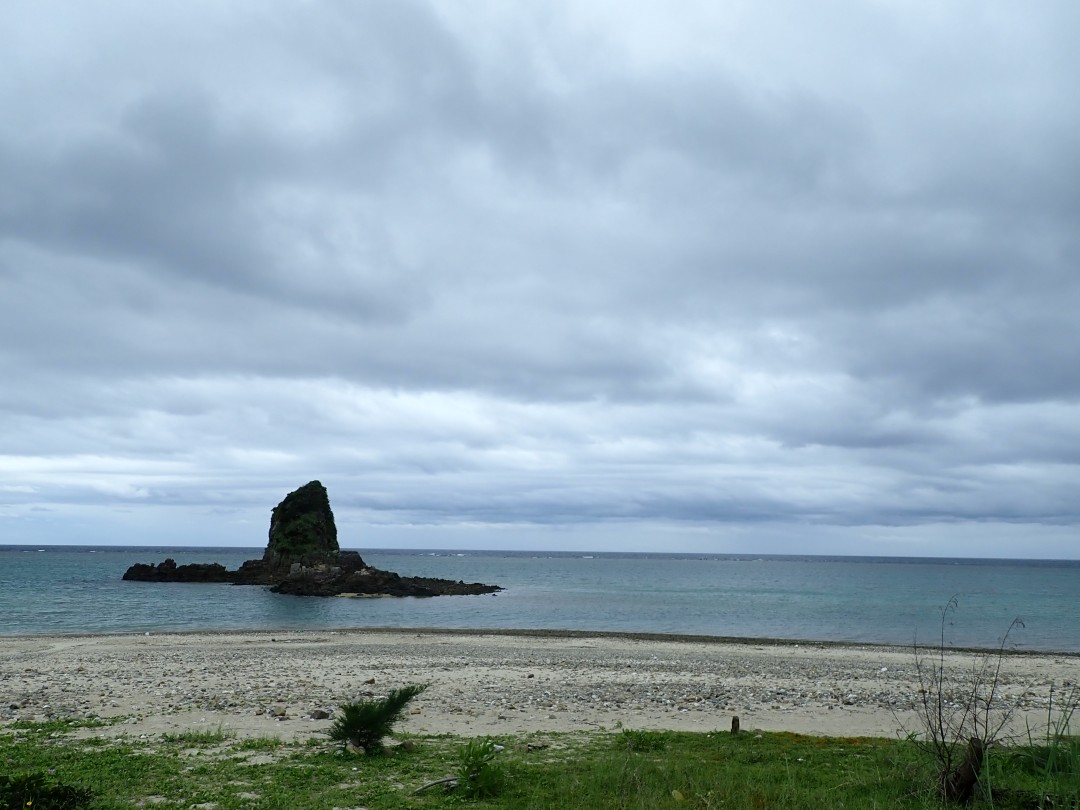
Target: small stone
point(320, 714)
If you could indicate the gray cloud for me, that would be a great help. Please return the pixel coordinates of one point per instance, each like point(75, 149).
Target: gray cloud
point(736, 277)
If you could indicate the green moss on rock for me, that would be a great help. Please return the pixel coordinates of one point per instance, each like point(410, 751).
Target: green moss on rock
point(302, 527)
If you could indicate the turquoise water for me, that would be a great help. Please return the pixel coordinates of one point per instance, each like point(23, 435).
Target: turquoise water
point(872, 600)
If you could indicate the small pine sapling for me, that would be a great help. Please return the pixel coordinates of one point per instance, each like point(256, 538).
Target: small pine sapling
point(364, 724)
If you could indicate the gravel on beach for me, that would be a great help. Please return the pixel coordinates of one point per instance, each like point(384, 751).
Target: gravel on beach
point(285, 684)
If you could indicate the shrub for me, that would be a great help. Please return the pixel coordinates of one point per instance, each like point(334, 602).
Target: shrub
point(961, 717)
point(478, 776)
point(365, 723)
point(41, 792)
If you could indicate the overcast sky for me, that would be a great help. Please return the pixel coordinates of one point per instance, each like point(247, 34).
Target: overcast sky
point(713, 276)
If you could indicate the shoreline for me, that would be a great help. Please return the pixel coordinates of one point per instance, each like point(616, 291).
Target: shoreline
point(526, 632)
point(497, 682)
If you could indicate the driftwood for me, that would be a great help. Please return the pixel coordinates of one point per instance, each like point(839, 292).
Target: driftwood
point(449, 783)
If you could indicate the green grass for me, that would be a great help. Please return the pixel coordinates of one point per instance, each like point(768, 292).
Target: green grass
point(579, 770)
point(260, 744)
point(196, 738)
point(643, 740)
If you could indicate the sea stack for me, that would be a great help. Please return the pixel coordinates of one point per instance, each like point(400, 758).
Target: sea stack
point(302, 529)
point(303, 558)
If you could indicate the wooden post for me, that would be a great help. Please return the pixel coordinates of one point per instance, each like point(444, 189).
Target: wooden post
point(959, 786)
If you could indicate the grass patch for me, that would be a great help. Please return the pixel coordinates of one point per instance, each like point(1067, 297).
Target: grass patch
point(260, 744)
point(634, 740)
point(580, 770)
point(200, 739)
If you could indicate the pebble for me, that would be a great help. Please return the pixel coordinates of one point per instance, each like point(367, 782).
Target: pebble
point(562, 676)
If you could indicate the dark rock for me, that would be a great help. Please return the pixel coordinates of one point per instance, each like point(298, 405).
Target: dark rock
point(302, 558)
point(169, 571)
point(325, 580)
point(302, 528)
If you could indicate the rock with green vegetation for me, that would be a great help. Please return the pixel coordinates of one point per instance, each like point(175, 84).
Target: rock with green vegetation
point(302, 528)
point(303, 558)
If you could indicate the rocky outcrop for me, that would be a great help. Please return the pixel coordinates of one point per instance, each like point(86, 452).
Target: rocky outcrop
point(303, 558)
point(362, 580)
point(169, 571)
point(302, 528)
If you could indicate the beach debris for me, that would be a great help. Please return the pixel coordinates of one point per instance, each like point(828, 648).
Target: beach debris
point(448, 783)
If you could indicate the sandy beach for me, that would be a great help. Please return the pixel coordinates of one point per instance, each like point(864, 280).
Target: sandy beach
point(275, 684)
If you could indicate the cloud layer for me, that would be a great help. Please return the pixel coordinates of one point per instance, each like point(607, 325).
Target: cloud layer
point(584, 275)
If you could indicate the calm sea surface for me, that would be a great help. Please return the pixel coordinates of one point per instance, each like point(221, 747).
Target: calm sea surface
point(77, 589)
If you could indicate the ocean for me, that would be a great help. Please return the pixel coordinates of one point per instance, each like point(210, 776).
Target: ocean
point(78, 589)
